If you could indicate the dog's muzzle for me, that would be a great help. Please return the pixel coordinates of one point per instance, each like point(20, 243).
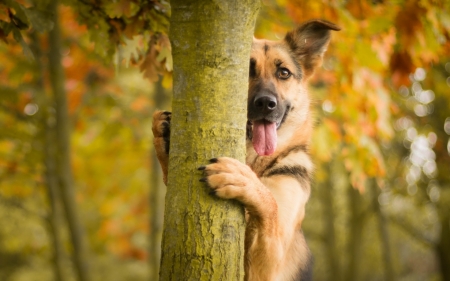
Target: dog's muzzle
point(266, 106)
point(265, 115)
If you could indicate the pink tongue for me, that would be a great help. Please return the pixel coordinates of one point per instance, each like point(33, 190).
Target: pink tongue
point(264, 137)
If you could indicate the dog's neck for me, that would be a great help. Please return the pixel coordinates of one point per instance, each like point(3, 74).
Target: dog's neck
point(292, 139)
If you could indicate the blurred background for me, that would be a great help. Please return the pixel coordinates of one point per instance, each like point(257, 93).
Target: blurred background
point(80, 191)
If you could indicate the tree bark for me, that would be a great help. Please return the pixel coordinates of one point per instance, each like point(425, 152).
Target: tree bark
point(203, 237)
point(63, 161)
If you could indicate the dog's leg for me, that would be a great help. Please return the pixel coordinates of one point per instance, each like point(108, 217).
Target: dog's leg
point(267, 239)
point(230, 179)
point(161, 139)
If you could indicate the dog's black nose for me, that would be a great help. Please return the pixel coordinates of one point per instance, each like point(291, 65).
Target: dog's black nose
point(266, 103)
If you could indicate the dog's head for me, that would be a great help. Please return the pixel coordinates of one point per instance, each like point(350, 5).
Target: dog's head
point(277, 76)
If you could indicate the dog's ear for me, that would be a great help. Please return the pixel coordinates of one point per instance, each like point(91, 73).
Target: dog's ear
point(309, 42)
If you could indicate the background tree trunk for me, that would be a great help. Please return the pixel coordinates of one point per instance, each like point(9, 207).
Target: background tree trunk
point(54, 218)
point(384, 233)
point(63, 161)
point(356, 224)
point(333, 256)
point(47, 139)
point(443, 243)
point(203, 237)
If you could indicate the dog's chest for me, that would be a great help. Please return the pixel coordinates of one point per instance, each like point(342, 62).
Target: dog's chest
point(259, 164)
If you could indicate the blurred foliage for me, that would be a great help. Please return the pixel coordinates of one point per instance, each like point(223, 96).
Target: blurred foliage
point(382, 102)
point(134, 30)
point(383, 120)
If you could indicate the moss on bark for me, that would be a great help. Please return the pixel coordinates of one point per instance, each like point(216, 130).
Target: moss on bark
point(204, 236)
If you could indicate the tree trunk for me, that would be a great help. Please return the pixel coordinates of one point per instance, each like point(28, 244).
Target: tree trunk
point(51, 178)
point(443, 244)
point(203, 237)
point(157, 194)
point(333, 256)
point(384, 235)
point(356, 222)
point(63, 149)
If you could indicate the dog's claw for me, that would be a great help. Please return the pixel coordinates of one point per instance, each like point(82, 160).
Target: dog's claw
point(212, 192)
point(213, 160)
point(203, 180)
point(201, 168)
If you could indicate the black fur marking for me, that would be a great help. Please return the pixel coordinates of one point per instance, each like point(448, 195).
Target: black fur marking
point(248, 130)
point(307, 273)
point(299, 74)
point(166, 135)
point(277, 62)
point(252, 71)
point(298, 172)
point(266, 48)
point(268, 87)
point(286, 112)
point(295, 148)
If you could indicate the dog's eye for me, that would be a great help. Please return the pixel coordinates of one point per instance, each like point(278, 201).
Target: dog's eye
point(283, 73)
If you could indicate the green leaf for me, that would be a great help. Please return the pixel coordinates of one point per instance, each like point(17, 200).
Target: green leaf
point(20, 14)
point(6, 27)
point(130, 50)
point(40, 20)
point(26, 49)
point(366, 55)
point(121, 8)
point(165, 54)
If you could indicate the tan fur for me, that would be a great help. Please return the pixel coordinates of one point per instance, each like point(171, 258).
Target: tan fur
point(274, 197)
point(159, 119)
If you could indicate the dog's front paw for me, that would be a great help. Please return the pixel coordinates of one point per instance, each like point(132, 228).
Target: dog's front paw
point(230, 179)
point(161, 138)
point(161, 127)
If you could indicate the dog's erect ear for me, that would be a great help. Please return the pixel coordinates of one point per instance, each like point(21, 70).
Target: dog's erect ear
point(309, 42)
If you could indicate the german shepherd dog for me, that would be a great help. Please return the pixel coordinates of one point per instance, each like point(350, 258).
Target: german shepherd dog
point(274, 185)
